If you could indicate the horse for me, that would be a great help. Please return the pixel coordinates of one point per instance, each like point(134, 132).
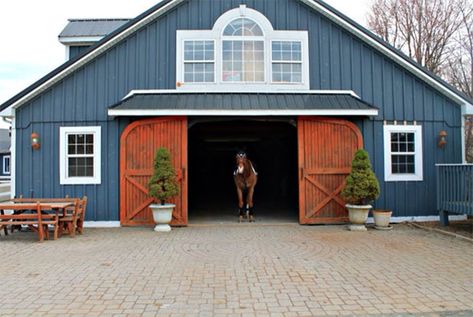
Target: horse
point(245, 178)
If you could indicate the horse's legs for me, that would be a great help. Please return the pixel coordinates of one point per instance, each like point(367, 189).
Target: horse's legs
point(249, 200)
point(240, 203)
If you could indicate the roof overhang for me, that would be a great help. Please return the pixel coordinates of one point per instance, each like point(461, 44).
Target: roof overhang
point(188, 103)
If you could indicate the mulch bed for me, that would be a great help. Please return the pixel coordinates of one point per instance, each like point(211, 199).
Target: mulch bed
point(463, 227)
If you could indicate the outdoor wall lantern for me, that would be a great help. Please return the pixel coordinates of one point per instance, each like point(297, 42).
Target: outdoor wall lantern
point(442, 139)
point(35, 141)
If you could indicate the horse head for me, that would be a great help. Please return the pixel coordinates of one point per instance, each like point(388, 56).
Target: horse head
point(241, 162)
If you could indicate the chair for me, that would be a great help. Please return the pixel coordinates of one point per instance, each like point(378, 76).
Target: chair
point(73, 219)
point(81, 216)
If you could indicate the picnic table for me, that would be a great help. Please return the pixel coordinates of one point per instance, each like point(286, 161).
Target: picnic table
point(35, 215)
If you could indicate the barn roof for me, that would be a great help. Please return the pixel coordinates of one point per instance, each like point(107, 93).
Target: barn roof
point(216, 103)
point(91, 27)
point(162, 7)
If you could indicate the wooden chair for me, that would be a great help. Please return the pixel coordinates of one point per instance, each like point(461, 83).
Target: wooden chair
point(73, 220)
point(81, 216)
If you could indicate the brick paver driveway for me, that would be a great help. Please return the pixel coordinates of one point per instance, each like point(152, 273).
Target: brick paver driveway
point(243, 269)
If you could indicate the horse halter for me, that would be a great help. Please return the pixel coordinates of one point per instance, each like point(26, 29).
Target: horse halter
point(241, 155)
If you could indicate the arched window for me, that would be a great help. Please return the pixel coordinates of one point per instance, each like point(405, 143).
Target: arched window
point(242, 52)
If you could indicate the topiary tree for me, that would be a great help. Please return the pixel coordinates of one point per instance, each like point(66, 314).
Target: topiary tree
point(163, 184)
point(362, 186)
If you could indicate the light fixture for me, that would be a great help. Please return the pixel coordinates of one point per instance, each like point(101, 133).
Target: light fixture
point(442, 139)
point(35, 141)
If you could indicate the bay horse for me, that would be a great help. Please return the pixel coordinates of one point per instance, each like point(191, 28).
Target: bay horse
point(245, 178)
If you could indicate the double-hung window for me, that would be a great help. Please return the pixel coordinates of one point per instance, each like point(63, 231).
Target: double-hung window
point(199, 61)
point(403, 153)
point(79, 155)
point(287, 61)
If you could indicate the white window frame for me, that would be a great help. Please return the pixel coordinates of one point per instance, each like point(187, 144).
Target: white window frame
point(63, 162)
point(5, 171)
point(184, 61)
point(418, 159)
point(216, 34)
point(301, 62)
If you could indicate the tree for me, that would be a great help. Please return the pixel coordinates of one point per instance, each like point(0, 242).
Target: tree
point(459, 71)
point(469, 139)
point(163, 184)
point(362, 186)
point(423, 29)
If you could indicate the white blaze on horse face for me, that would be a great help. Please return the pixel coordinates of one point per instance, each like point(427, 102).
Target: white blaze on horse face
point(241, 168)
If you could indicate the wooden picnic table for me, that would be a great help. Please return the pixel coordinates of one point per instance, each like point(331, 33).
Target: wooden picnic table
point(39, 217)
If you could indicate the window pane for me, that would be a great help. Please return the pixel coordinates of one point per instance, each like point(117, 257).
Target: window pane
point(198, 72)
point(89, 149)
point(243, 61)
point(242, 27)
point(71, 138)
point(403, 164)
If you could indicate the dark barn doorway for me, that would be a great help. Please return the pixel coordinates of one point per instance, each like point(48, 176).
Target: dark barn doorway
point(271, 144)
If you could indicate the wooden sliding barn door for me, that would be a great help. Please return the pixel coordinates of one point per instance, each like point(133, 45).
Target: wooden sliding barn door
point(326, 149)
point(138, 145)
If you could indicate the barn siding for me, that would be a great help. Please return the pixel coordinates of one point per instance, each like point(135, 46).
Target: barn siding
point(146, 60)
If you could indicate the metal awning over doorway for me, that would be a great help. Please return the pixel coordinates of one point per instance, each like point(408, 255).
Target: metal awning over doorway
point(186, 103)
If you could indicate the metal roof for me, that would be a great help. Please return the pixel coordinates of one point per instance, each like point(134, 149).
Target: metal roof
point(186, 101)
point(91, 27)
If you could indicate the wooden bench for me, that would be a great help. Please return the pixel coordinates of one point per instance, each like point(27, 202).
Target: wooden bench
point(36, 220)
point(71, 220)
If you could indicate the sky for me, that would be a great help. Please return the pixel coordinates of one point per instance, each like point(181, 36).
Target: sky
point(29, 28)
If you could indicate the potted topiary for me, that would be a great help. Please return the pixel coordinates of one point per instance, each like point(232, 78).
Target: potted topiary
point(362, 187)
point(163, 186)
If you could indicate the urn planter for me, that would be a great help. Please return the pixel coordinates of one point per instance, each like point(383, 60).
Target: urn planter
point(358, 214)
point(162, 216)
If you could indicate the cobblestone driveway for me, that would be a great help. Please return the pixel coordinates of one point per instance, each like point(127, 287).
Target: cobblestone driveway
point(243, 269)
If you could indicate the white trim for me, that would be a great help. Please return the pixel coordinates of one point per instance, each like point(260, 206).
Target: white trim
point(260, 91)
point(265, 112)
point(386, 51)
point(13, 154)
point(79, 40)
point(454, 164)
point(216, 34)
point(94, 53)
point(9, 167)
point(388, 175)
point(421, 219)
point(102, 224)
point(63, 132)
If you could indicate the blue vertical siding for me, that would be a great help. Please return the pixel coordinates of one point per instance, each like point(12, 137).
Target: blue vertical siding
point(147, 59)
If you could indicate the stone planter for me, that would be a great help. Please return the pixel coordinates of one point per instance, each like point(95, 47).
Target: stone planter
point(162, 216)
point(382, 218)
point(358, 216)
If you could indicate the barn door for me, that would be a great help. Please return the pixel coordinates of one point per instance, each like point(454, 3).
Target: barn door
point(138, 145)
point(326, 149)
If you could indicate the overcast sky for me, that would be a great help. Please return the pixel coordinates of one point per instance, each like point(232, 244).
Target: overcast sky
point(29, 30)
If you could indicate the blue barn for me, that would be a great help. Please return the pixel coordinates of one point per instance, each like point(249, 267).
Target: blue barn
point(295, 83)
